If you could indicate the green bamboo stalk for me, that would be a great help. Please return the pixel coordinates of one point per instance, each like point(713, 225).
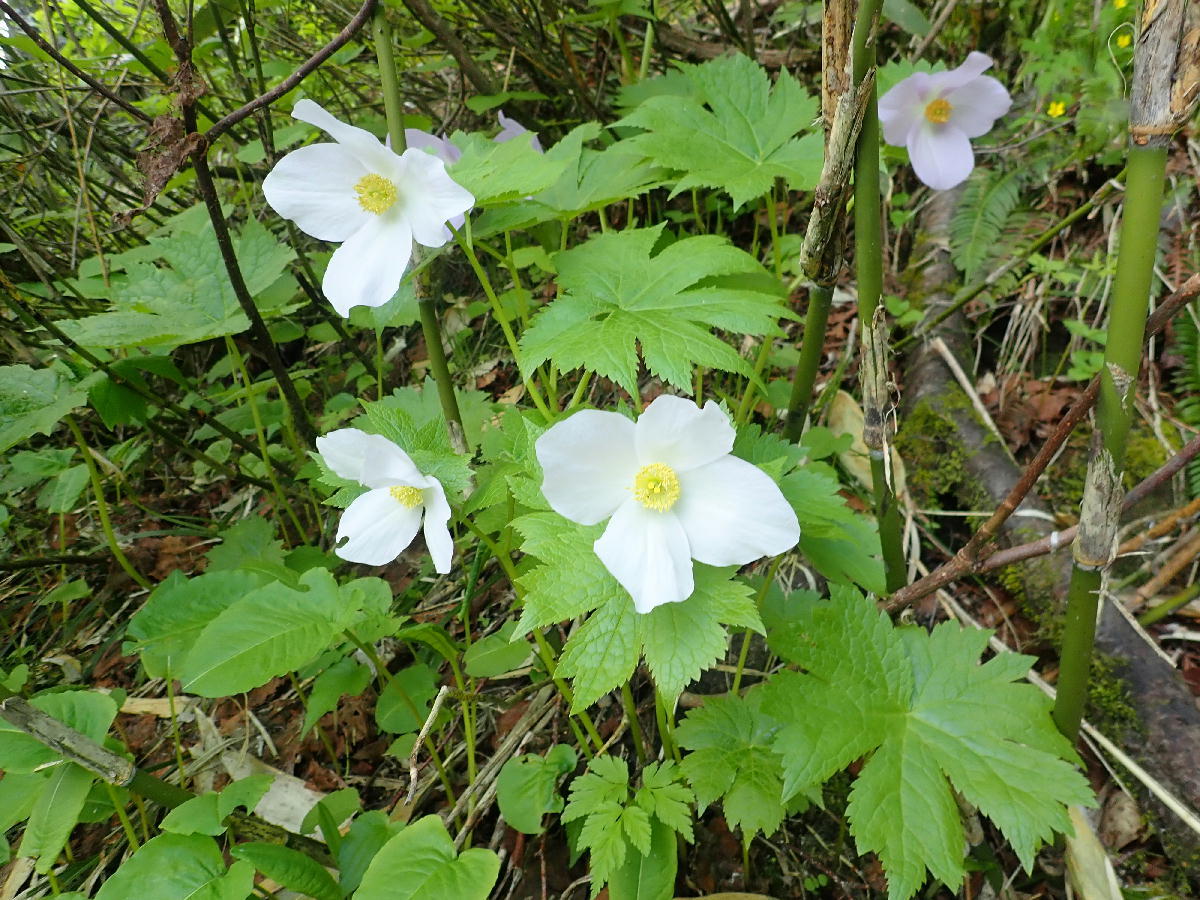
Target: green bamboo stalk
point(820, 299)
point(1159, 105)
point(868, 264)
point(430, 325)
point(1114, 413)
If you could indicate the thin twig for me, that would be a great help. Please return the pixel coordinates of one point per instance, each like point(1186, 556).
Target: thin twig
point(967, 559)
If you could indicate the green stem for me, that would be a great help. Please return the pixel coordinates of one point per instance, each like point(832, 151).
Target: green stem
point(812, 343)
point(110, 536)
point(635, 727)
point(126, 825)
point(666, 728)
point(381, 31)
point(891, 526)
point(868, 230)
point(1164, 609)
point(1114, 409)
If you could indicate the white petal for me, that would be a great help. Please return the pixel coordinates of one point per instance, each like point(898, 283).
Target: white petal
point(941, 155)
point(677, 432)
point(647, 552)
point(374, 156)
point(975, 65)
point(369, 459)
point(588, 465)
point(314, 187)
point(733, 513)
point(437, 535)
point(429, 197)
point(976, 106)
point(367, 268)
point(902, 107)
point(379, 528)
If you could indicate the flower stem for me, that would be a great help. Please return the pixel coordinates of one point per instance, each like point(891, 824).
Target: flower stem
point(666, 728)
point(110, 537)
point(1114, 414)
point(381, 31)
point(635, 727)
point(812, 342)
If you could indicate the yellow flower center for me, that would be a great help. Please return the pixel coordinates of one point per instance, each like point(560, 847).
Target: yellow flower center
point(1056, 109)
point(656, 487)
point(405, 495)
point(375, 194)
point(938, 111)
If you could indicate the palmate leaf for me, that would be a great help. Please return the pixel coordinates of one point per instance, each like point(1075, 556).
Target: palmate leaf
point(187, 297)
point(930, 717)
point(616, 294)
point(737, 134)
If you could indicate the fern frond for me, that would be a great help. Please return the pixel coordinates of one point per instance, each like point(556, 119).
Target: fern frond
point(978, 225)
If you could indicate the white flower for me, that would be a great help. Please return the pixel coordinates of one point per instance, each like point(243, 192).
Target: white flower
point(376, 203)
point(935, 116)
point(511, 128)
point(384, 520)
point(673, 491)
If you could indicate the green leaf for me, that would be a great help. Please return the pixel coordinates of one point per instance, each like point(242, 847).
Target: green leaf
point(499, 173)
point(54, 814)
point(179, 609)
point(648, 876)
point(32, 401)
point(681, 640)
point(179, 866)
point(929, 716)
point(195, 816)
point(496, 654)
point(330, 811)
point(178, 292)
point(615, 296)
point(88, 712)
point(420, 862)
point(665, 798)
point(251, 539)
point(367, 834)
point(245, 792)
point(268, 632)
point(603, 653)
point(737, 132)
point(527, 787)
point(61, 492)
point(988, 199)
point(405, 702)
point(346, 676)
point(730, 739)
point(907, 15)
point(292, 869)
point(18, 793)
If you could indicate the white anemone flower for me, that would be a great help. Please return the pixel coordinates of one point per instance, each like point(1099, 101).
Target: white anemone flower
point(373, 201)
point(384, 520)
point(936, 114)
point(674, 492)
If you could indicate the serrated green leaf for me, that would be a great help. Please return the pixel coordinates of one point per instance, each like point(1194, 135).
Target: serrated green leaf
point(249, 539)
point(499, 173)
point(187, 298)
point(603, 653)
point(292, 869)
point(54, 814)
point(571, 580)
point(681, 640)
point(615, 296)
point(32, 401)
point(665, 798)
point(420, 862)
point(732, 758)
point(346, 676)
point(738, 133)
point(268, 632)
point(164, 630)
point(933, 717)
point(527, 787)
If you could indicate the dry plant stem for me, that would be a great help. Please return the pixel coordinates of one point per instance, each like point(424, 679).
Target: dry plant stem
point(968, 559)
point(1152, 120)
point(117, 770)
point(1183, 557)
point(71, 67)
point(343, 37)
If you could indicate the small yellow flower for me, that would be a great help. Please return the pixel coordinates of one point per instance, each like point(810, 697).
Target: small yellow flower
point(1056, 109)
point(1124, 40)
point(1120, 4)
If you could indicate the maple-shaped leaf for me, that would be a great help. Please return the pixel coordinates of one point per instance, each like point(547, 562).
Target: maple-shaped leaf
point(663, 796)
point(931, 719)
point(732, 758)
point(616, 294)
point(736, 132)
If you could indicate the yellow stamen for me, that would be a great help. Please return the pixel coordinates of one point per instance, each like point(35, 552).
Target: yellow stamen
point(406, 496)
point(375, 194)
point(938, 111)
point(656, 487)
